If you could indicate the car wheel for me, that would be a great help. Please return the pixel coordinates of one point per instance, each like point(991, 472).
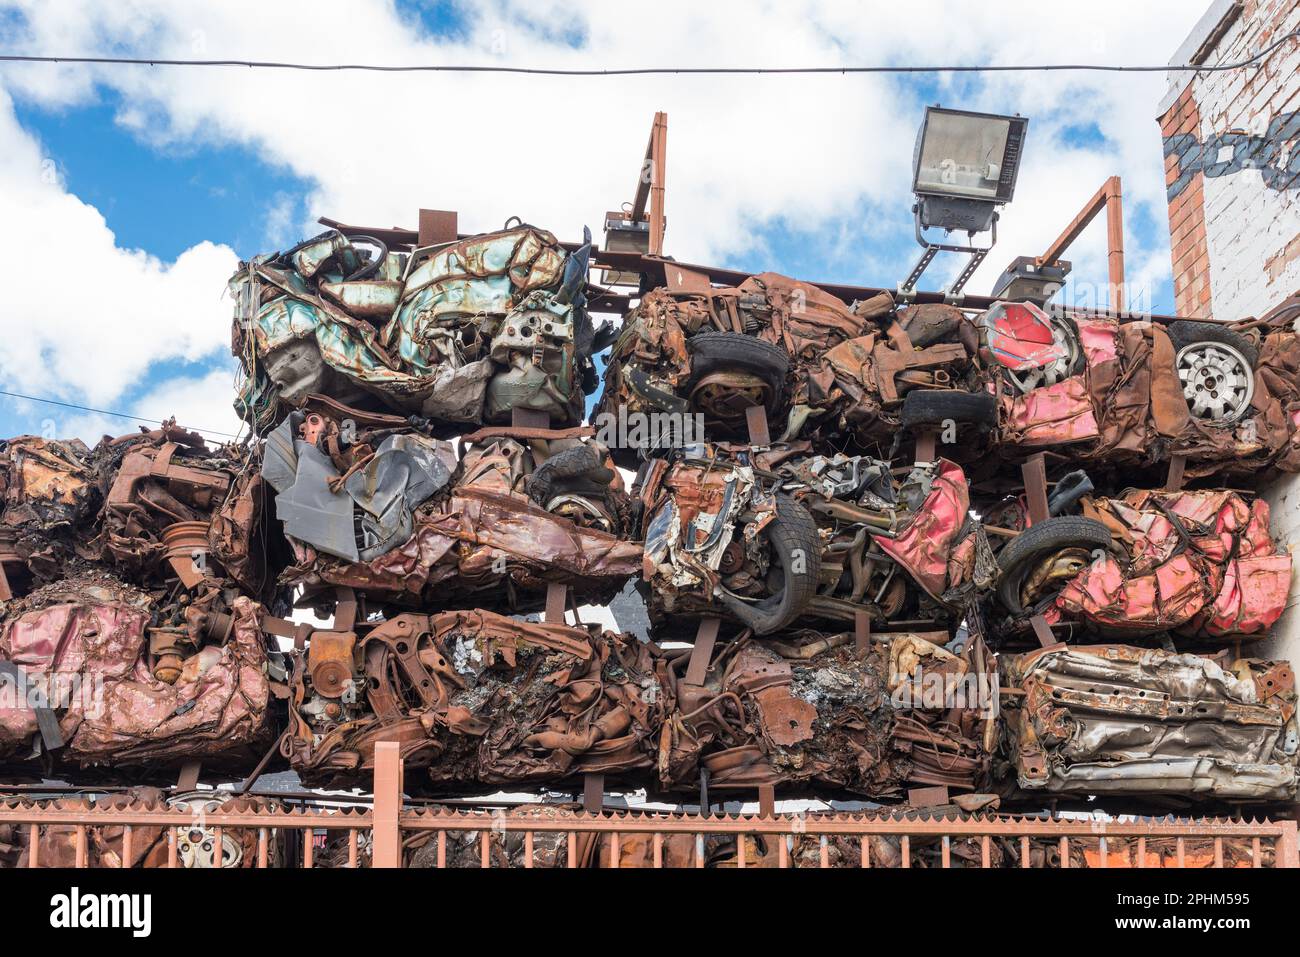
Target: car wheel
point(796, 548)
point(731, 371)
point(1216, 367)
point(1072, 539)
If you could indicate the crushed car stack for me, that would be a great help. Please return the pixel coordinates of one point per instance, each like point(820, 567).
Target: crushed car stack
point(850, 588)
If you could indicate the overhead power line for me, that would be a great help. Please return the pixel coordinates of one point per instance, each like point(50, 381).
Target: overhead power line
point(658, 70)
point(120, 415)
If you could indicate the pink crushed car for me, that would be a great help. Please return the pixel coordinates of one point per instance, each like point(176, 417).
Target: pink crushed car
point(1198, 564)
point(1223, 395)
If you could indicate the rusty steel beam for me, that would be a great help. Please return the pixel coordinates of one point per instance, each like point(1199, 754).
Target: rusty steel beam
point(655, 266)
point(925, 446)
point(1043, 632)
point(928, 796)
point(437, 226)
point(402, 239)
point(1034, 471)
point(557, 597)
point(1115, 245)
point(756, 422)
point(650, 184)
point(1177, 466)
point(706, 636)
point(659, 159)
point(861, 632)
point(1288, 847)
point(593, 793)
point(188, 779)
point(1110, 197)
point(605, 301)
point(386, 848)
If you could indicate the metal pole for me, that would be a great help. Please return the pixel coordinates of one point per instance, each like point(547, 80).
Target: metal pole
point(387, 832)
point(1110, 198)
point(1287, 851)
point(659, 159)
point(1115, 243)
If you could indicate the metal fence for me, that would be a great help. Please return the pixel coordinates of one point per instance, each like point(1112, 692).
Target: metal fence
point(384, 835)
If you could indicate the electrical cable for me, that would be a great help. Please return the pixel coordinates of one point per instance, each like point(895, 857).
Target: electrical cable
point(644, 71)
point(120, 415)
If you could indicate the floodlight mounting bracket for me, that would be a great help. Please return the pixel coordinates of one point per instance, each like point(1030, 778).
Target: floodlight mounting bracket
point(931, 249)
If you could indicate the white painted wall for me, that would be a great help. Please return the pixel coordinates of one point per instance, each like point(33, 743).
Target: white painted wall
point(1252, 229)
point(1283, 499)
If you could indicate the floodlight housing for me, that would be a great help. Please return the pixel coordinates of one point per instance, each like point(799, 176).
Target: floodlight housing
point(964, 166)
point(625, 235)
point(1027, 280)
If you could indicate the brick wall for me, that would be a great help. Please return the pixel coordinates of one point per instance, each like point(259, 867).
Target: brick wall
point(1188, 247)
point(1232, 165)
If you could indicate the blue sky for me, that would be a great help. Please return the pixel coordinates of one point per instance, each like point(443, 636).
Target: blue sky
point(161, 200)
point(789, 179)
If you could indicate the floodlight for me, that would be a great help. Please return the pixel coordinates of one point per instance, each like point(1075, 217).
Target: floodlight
point(965, 165)
point(963, 168)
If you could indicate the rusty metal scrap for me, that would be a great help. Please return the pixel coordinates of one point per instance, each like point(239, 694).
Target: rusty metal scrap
point(1200, 564)
point(855, 545)
point(134, 683)
point(1128, 405)
point(846, 367)
point(156, 483)
point(1117, 719)
point(818, 712)
point(510, 516)
point(718, 523)
point(47, 499)
point(461, 333)
point(1117, 393)
point(135, 653)
point(154, 505)
point(478, 699)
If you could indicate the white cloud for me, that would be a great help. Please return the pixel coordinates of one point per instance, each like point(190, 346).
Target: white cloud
point(201, 402)
point(556, 150)
point(809, 152)
point(84, 318)
point(279, 228)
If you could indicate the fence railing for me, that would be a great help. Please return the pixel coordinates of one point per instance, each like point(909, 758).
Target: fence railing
point(393, 835)
point(1188, 842)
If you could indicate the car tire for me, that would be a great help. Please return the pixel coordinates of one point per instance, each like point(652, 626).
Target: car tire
point(719, 351)
point(791, 533)
point(1184, 332)
point(934, 407)
point(1036, 543)
point(578, 469)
